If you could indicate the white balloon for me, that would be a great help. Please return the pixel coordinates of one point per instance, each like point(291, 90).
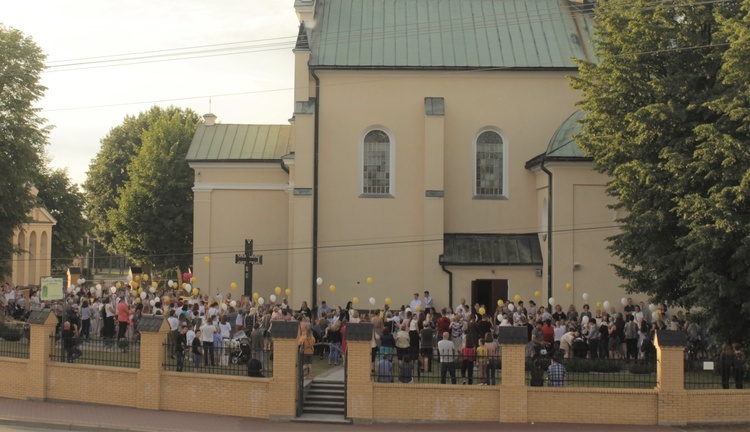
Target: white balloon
point(623, 301)
point(585, 296)
point(552, 301)
point(372, 301)
point(319, 281)
point(157, 299)
point(78, 281)
point(223, 306)
point(261, 301)
point(188, 287)
point(78, 289)
point(272, 297)
point(511, 307)
point(233, 303)
point(606, 304)
point(152, 290)
point(113, 290)
point(655, 316)
point(83, 280)
point(170, 283)
point(152, 303)
point(70, 289)
point(500, 317)
point(143, 296)
point(98, 287)
point(585, 320)
point(652, 307)
point(130, 278)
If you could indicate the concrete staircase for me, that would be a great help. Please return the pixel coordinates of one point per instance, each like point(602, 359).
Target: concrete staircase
point(324, 402)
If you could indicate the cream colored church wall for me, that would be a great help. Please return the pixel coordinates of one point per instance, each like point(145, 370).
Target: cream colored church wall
point(223, 224)
point(383, 237)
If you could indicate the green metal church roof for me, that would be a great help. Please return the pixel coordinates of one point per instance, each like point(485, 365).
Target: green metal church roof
point(562, 143)
point(236, 142)
point(491, 249)
point(448, 34)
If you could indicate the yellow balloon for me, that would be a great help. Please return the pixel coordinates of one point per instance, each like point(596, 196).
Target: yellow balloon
point(195, 291)
point(140, 290)
point(568, 286)
point(417, 308)
point(165, 299)
point(233, 286)
point(537, 294)
point(517, 298)
point(288, 292)
point(388, 301)
point(369, 281)
point(207, 260)
point(137, 278)
point(145, 277)
point(278, 290)
point(117, 285)
point(332, 288)
point(134, 284)
point(355, 300)
point(500, 303)
point(482, 311)
point(193, 279)
point(599, 304)
point(138, 300)
point(154, 284)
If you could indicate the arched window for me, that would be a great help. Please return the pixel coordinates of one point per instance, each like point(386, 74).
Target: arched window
point(377, 164)
point(489, 166)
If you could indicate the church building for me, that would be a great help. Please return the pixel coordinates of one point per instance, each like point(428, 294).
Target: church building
point(430, 149)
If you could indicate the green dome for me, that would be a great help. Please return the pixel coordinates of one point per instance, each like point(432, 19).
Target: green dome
point(562, 143)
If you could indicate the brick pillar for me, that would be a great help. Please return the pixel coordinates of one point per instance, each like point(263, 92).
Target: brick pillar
point(42, 325)
point(359, 392)
point(154, 330)
point(670, 377)
point(282, 394)
point(512, 406)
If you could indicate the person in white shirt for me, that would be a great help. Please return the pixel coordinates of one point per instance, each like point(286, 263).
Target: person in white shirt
point(416, 302)
point(174, 324)
point(462, 308)
point(207, 337)
point(428, 301)
point(447, 358)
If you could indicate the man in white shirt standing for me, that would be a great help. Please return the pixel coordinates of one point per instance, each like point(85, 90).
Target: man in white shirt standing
point(174, 324)
point(462, 308)
point(447, 356)
point(428, 301)
point(416, 302)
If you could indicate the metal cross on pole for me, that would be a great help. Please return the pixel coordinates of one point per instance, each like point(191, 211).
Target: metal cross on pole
point(248, 260)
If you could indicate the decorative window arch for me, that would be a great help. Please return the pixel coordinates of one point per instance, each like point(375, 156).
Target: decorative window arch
point(490, 165)
point(377, 163)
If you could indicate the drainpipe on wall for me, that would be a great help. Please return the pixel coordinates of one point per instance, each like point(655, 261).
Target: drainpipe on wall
point(316, 143)
point(450, 282)
point(549, 226)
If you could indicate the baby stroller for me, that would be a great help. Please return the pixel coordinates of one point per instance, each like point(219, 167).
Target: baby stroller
point(243, 351)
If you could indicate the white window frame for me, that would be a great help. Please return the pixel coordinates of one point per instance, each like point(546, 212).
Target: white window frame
point(504, 193)
point(391, 162)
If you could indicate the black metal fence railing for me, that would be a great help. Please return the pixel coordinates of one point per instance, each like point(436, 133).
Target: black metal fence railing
point(585, 372)
point(716, 373)
point(455, 369)
point(14, 340)
point(96, 351)
point(231, 358)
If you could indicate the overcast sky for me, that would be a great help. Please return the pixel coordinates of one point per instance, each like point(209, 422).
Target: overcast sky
point(84, 101)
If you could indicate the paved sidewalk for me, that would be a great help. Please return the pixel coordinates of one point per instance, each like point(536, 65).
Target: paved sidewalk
point(109, 418)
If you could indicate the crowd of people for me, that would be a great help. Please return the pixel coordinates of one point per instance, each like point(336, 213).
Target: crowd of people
point(408, 339)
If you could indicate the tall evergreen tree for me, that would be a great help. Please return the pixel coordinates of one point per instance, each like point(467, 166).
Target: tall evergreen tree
point(22, 134)
point(658, 121)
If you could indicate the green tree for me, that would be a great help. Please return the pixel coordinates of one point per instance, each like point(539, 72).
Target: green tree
point(108, 172)
point(153, 219)
point(656, 123)
point(22, 133)
point(65, 202)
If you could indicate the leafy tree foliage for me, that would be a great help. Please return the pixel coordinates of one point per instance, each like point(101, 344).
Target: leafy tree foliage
point(22, 133)
point(152, 221)
point(667, 118)
point(65, 202)
point(108, 172)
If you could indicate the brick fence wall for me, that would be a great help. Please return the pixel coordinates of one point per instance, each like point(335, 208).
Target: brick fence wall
point(151, 387)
